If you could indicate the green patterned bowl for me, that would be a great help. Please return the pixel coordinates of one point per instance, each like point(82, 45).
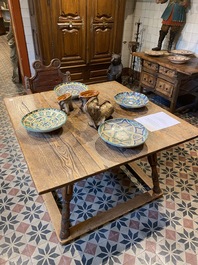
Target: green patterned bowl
point(123, 133)
point(44, 120)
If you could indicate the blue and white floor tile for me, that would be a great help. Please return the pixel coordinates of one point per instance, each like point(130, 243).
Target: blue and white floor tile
point(162, 232)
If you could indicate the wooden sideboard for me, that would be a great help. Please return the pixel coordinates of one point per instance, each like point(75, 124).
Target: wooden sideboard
point(165, 78)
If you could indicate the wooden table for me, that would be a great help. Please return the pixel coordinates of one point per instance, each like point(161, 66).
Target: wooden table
point(61, 158)
point(165, 78)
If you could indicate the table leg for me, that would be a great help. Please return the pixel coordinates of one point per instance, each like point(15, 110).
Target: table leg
point(152, 159)
point(67, 192)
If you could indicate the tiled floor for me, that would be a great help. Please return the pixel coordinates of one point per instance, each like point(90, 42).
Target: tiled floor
point(162, 232)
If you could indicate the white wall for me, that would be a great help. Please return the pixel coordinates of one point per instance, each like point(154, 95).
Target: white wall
point(28, 32)
point(149, 13)
point(128, 34)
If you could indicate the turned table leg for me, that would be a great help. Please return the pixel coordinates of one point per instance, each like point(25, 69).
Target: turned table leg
point(152, 159)
point(67, 192)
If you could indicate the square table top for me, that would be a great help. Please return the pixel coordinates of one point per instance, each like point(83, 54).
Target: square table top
point(76, 151)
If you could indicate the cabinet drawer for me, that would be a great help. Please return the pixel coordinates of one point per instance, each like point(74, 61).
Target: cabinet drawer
point(148, 79)
point(166, 71)
point(164, 87)
point(151, 66)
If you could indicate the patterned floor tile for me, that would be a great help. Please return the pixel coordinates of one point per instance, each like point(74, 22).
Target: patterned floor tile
point(22, 260)
point(162, 232)
point(148, 258)
point(170, 252)
point(47, 253)
point(12, 245)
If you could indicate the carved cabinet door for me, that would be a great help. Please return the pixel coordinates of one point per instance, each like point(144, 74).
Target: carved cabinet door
point(83, 34)
point(101, 23)
point(69, 29)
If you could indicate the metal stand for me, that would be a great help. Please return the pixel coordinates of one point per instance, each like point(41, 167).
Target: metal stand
point(133, 45)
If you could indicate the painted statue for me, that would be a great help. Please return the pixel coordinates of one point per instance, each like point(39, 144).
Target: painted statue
point(174, 18)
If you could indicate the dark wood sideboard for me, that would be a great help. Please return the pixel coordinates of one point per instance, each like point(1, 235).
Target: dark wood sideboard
point(165, 78)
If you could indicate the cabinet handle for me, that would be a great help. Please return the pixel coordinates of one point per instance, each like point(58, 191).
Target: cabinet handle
point(69, 24)
point(103, 24)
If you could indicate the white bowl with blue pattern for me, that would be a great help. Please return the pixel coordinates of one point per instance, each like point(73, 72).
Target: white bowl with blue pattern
point(131, 99)
point(71, 87)
point(123, 132)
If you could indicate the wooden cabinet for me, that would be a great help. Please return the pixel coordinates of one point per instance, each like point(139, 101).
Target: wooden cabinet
point(83, 34)
point(165, 78)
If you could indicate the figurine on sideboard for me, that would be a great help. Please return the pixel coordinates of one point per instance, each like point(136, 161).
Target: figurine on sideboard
point(174, 18)
point(114, 71)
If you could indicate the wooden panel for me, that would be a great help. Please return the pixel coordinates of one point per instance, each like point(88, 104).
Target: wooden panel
point(101, 44)
point(148, 79)
point(96, 73)
point(71, 33)
point(152, 66)
point(71, 50)
point(168, 72)
point(103, 10)
point(71, 9)
point(101, 17)
point(77, 76)
point(44, 28)
point(164, 87)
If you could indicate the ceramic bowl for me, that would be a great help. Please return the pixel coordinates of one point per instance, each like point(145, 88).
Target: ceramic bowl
point(154, 53)
point(182, 52)
point(178, 59)
point(44, 120)
point(131, 99)
point(71, 87)
point(123, 132)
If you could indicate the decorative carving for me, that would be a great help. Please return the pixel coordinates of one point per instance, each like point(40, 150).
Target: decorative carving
point(67, 16)
point(96, 113)
point(104, 16)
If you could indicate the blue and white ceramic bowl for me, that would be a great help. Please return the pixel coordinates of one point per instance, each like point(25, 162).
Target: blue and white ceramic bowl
point(131, 99)
point(71, 87)
point(123, 133)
